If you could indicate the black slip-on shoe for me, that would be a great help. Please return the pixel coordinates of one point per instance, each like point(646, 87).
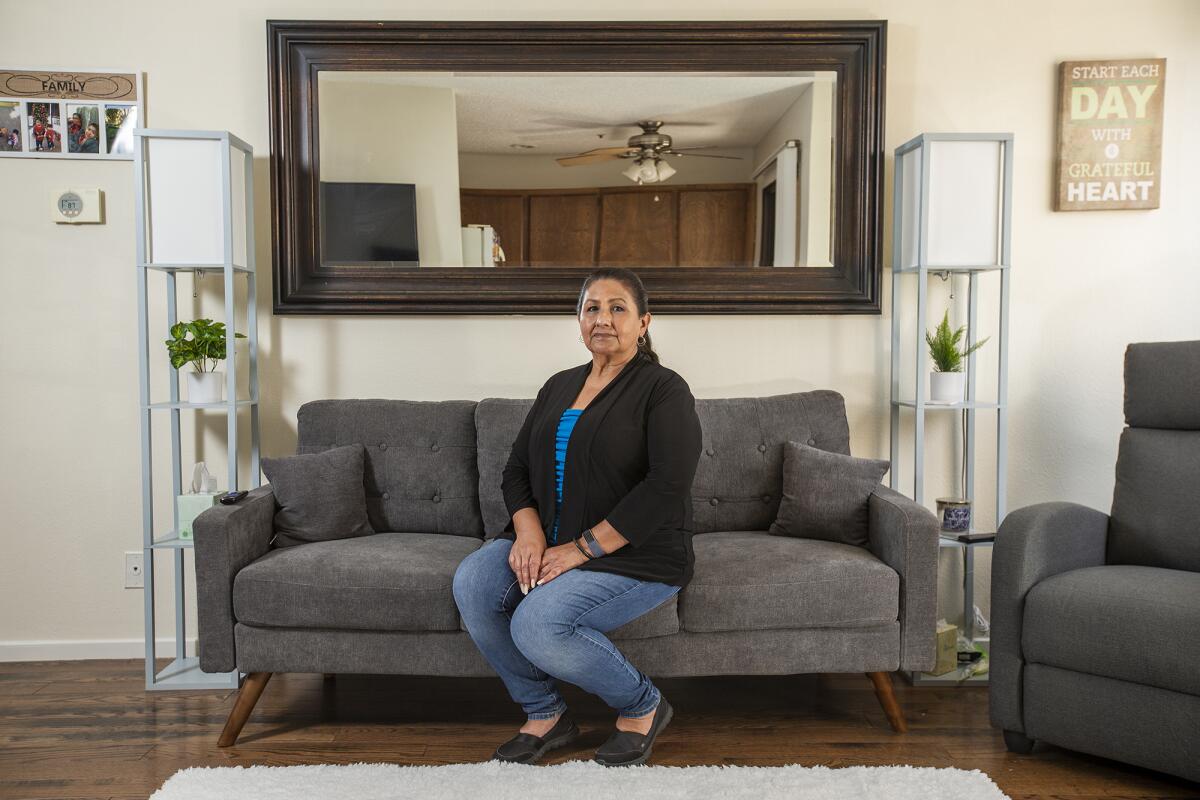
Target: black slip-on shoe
point(626, 748)
point(525, 748)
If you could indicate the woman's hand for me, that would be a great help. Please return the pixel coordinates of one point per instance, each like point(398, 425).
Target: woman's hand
point(525, 558)
point(557, 560)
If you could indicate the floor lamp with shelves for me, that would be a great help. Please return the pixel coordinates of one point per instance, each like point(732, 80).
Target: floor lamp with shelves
point(193, 214)
point(952, 215)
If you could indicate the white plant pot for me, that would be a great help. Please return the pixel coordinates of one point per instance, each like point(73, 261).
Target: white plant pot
point(946, 387)
point(206, 387)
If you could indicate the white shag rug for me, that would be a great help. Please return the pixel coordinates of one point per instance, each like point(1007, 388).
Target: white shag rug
point(577, 779)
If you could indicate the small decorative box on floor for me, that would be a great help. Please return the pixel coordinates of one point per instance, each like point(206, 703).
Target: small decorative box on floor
point(947, 648)
point(191, 506)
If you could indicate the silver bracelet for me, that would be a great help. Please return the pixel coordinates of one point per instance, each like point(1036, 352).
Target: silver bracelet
point(583, 552)
point(592, 545)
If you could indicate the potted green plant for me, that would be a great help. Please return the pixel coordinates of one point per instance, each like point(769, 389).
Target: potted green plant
point(200, 341)
point(946, 378)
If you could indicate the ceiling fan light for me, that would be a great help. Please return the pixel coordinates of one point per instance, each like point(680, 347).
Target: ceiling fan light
point(633, 171)
point(648, 172)
point(665, 170)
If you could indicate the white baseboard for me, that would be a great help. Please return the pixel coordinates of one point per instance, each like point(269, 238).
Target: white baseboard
point(82, 649)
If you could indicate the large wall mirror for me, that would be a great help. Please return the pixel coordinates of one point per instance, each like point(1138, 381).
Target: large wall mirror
point(486, 167)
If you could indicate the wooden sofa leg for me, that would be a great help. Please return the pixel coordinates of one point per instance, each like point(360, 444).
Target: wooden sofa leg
point(252, 689)
point(1017, 742)
point(887, 699)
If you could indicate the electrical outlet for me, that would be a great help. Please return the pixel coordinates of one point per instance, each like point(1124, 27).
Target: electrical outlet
point(134, 577)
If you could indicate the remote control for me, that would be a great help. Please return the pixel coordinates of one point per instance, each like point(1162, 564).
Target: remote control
point(229, 498)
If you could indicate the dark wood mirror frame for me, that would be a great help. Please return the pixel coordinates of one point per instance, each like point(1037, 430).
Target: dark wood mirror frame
point(298, 50)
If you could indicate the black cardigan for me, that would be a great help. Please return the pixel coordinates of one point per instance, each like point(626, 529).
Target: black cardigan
point(631, 459)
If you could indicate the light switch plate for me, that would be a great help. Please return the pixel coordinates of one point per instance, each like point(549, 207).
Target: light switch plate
point(77, 204)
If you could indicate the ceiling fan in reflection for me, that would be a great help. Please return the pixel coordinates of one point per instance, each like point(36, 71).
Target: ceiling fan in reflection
point(646, 149)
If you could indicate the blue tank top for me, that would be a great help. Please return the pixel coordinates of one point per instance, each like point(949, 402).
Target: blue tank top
point(566, 424)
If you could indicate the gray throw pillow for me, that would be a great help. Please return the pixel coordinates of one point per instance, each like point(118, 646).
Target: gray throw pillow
point(825, 494)
point(319, 496)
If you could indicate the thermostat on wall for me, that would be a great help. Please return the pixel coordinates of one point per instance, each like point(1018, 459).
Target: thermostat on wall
point(77, 205)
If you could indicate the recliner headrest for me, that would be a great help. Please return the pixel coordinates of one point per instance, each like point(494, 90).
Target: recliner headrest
point(1162, 385)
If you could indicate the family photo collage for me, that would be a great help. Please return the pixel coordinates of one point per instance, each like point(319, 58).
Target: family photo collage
point(74, 124)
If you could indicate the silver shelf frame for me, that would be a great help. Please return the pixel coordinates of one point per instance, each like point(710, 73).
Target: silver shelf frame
point(972, 404)
point(961, 675)
point(184, 673)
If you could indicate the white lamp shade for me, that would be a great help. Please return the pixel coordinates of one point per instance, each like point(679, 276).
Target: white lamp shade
point(186, 201)
point(964, 203)
point(910, 206)
point(665, 170)
point(964, 206)
point(633, 171)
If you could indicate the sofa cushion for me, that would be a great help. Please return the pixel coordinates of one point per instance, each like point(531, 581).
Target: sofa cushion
point(319, 496)
point(663, 620)
point(751, 580)
point(385, 582)
point(1129, 622)
point(420, 472)
point(825, 494)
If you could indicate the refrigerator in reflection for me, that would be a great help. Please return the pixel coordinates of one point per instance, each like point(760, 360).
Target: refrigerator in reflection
point(481, 246)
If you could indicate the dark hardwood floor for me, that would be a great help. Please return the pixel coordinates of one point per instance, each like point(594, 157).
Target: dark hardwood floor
point(88, 729)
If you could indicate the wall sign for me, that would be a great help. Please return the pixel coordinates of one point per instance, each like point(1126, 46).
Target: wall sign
point(65, 114)
point(1109, 134)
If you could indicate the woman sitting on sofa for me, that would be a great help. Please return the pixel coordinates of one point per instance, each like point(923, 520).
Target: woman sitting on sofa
point(598, 485)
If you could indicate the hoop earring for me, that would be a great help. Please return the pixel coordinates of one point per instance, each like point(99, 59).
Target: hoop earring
point(641, 341)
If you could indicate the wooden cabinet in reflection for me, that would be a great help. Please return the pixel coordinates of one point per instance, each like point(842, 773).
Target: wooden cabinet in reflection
point(701, 225)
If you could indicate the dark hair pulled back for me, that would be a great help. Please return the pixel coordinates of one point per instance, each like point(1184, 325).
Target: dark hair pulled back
point(630, 280)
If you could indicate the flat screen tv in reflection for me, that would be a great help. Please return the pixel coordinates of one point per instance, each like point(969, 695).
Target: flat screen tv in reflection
point(369, 223)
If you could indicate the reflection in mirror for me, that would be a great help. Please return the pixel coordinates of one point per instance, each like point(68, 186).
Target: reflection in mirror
point(520, 170)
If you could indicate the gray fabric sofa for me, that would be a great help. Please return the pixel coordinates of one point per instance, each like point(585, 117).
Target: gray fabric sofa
point(757, 604)
point(1096, 617)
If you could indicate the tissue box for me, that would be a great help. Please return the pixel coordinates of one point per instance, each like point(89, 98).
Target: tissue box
point(191, 506)
point(947, 649)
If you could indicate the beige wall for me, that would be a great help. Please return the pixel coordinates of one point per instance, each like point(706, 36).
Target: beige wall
point(376, 131)
point(1083, 284)
point(816, 176)
point(810, 120)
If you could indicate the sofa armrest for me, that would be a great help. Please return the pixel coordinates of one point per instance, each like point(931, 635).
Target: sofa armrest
point(227, 538)
point(1032, 543)
point(904, 535)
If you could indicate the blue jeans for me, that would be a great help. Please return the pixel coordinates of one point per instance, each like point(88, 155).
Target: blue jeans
point(556, 631)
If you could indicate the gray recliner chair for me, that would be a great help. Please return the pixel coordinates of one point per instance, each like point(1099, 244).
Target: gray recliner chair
point(1096, 617)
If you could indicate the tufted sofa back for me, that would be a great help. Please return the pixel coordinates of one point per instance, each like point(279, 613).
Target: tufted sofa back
point(420, 462)
point(740, 473)
point(497, 422)
point(436, 466)
point(739, 478)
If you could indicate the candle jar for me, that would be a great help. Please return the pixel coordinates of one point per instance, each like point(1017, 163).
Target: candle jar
point(954, 514)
